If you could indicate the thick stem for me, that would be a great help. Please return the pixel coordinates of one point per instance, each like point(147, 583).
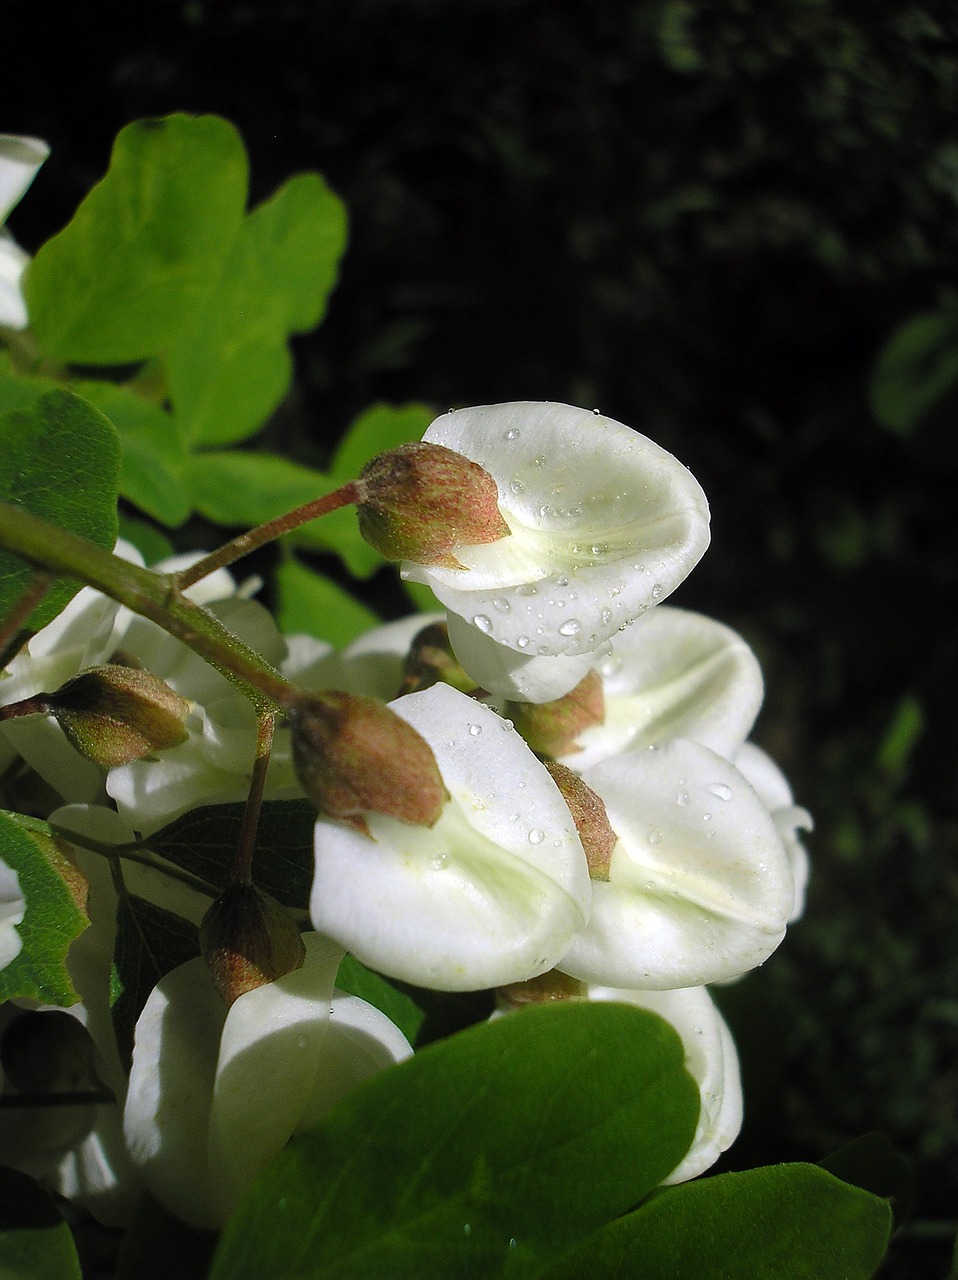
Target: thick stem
point(244, 543)
point(152, 595)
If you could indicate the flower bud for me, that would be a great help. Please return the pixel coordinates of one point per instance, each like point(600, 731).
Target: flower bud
point(353, 755)
point(552, 728)
point(115, 714)
point(419, 501)
point(547, 987)
point(590, 818)
point(430, 660)
point(248, 939)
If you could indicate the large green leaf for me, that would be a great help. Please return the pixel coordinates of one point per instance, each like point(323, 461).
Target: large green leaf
point(354, 977)
point(916, 367)
point(35, 1242)
point(310, 603)
point(53, 892)
point(483, 1154)
point(230, 366)
point(243, 488)
point(144, 247)
point(788, 1222)
point(153, 458)
point(204, 842)
point(60, 459)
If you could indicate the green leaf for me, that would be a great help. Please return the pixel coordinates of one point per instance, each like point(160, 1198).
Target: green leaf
point(149, 943)
point(484, 1153)
point(153, 459)
point(354, 977)
point(235, 487)
point(35, 1242)
point(916, 367)
point(52, 919)
point(204, 842)
point(787, 1222)
point(60, 459)
point(148, 540)
point(873, 1163)
point(144, 247)
point(310, 603)
point(230, 367)
point(379, 428)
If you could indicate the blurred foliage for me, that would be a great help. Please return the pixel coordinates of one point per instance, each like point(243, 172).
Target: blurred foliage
point(716, 221)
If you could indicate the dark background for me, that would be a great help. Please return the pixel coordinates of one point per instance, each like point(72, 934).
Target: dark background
point(704, 219)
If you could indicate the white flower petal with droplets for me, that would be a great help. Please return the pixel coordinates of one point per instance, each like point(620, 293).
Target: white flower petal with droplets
point(699, 885)
point(776, 794)
point(711, 1060)
point(509, 673)
point(491, 894)
point(604, 524)
point(13, 907)
point(674, 674)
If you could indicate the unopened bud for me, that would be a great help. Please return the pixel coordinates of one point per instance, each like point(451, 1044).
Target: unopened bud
point(248, 939)
point(430, 660)
point(590, 818)
point(354, 756)
point(420, 501)
point(553, 728)
point(544, 989)
point(115, 714)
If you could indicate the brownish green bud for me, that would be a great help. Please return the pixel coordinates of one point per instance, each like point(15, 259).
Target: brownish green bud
point(115, 714)
point(48, 1052)
point(547, 987)
point(354, 756)
point(420, 501)
point(590, 818)
point(553, 728)
point(430, 660)
point(248, 939)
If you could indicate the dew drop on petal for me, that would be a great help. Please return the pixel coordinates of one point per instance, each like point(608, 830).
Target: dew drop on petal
point(517, 487)
point(482, 622)
point(527, 589)
point(596, 413)
point(606, 615)
point(440, 861)
point(657, 591)
point(682, 799)
point(512, 433)
point(536, 836)
point(655, 837)
point(522, 642)
point(706, 817)
point(562, 582)
point(570, 628)
point(720, 790)
point(502, 604)
point(507, 724)
point(475, 730)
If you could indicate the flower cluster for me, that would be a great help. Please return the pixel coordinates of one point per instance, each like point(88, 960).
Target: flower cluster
point(548, 790)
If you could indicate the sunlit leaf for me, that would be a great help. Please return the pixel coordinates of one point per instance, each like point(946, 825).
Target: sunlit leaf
point(310, 603)
point(235, 487)
point(35, 1242)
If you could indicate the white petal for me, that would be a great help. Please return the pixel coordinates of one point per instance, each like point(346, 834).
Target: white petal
point(604, 523)
point(373, 663)
point(13, 907)
point(711, 1060)
point(272, 1044)
point(20, 158)
point(511, 673)
point(491, 894)
point(699, 886)
point(776, 794)
point(674, 674)
point(167, 1116)
point(13, 263)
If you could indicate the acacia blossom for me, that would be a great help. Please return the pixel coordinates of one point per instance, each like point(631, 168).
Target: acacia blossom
point(20, 159)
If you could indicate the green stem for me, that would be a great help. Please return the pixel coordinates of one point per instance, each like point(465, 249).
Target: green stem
point(152, 595)
point(244, 543)
point(131, 853)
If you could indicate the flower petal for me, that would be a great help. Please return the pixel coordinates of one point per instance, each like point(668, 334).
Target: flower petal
point(20, 158)
point(491, 894)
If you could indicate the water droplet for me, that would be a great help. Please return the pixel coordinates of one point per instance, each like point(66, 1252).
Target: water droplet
point(513, 1242)
point(539, 460)
point(599, 548)
point(513, 817)
point(507, 724)
point(606, 615)
point(440, 861)
point(614, 591)
point(467, 1228)
point(502, 604)
point(475, 730)
point(657, 591)
point(522, 786)
point(720, 790)
point(517, 487)
point(527, 589)
point(562, 582)
point(522, 642)
point(482, 622)
point(570, 628)
point(536, 836)
point(706, 817)
point(596, 413)
point(682, 798)
point(512, 433)
point(655, 837)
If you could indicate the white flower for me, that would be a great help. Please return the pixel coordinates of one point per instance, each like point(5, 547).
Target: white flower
point(20, 158)
point(776, 794)
point(604, 524)
point(216, 1093)
point(711, 1060)
point(492, 894)
point(674, 674)
point(699, 889)
point(12, 910)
